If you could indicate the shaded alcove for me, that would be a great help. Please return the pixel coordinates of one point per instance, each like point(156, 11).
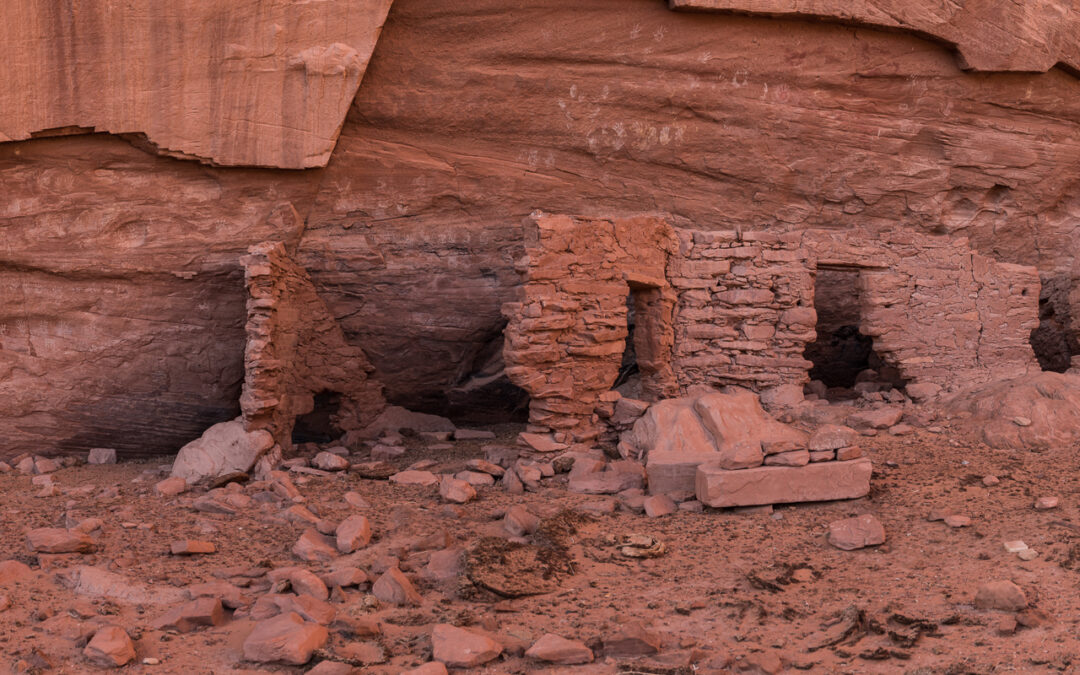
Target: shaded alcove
point(1052, 342)
point(842, 356)
point(644, 358)
point(319, 425)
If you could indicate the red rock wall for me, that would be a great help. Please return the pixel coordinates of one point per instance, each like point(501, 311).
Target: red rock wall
point(469, 118)
point(264, 83)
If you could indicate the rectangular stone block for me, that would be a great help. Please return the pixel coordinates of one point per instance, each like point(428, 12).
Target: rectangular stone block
point(820, 482)
point(675, 471)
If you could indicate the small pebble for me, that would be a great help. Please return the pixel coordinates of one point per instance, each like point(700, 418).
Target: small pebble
point(990, 481)
point(1015, 546)
point(1028, 554)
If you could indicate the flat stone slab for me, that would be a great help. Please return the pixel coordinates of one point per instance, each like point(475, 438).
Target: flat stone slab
point(824, 481)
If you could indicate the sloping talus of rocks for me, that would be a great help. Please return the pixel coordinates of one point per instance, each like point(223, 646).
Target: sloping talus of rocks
point(120, 286)
point(232, 83)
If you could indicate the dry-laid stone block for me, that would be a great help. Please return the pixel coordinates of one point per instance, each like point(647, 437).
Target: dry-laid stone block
point(824, 481)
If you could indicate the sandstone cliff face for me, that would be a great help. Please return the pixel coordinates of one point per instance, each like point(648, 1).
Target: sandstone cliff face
point(121, 282)
point(263, 83)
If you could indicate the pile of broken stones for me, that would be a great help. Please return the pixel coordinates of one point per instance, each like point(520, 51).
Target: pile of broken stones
point(668, 459)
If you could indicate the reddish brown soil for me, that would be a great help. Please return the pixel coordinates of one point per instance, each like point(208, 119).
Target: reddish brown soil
point(727, 588)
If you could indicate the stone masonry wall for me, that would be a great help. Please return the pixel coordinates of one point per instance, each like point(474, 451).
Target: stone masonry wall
point(745, 312)
point(567, 333)
point(296, 350)
point(936, 311)
point(732, 308)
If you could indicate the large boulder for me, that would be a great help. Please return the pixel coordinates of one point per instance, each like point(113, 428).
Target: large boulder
point(727, 429)
point(1037, 412)
point(224, 448)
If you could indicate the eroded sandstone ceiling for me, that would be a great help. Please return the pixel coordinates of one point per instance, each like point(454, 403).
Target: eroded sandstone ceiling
point(262, 83)
point(990, 35)
point(121, 306)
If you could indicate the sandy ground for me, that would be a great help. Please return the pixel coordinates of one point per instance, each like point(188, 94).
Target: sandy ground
point(735, 591)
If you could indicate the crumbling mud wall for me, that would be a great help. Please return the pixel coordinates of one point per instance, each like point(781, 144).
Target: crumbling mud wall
point(937, 311)
point(296, 352)
point(566, 334)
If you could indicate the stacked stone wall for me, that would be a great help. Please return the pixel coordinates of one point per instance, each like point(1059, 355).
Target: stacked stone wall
point(296, 350)
point(566, 336)
point(938, 312)
point(745, 309)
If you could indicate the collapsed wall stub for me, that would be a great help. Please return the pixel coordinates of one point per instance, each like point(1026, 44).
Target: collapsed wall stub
point(738, 309)
point(296, 353)
point(939, 313)
point(566, 335)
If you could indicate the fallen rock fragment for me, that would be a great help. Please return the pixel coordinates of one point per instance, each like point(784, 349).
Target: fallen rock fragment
point(333, 668)
point(394, 588)
point(540, 442)
point(557, 649)
point(631, 640)
point(58, 540)
point(519, 522)
point(659, 505)
point(111, 647)
point(286, 638)
point(353, 533)
point(851, 534)
point(456, 491)
point(101, 456)
point(224, 448)
point(461, 648)
point(759, 486)
point(1046, 503)
point(1002, 594)
point(957, 521)
point(302, 581)
point(185, 618)
point(192, 547)
point(328, 461)
point(314, 547)
point(410, 477)
point(170, 487)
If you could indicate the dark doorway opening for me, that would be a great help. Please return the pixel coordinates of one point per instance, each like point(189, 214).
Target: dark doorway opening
point(645, 360)
point(845, 364)
point(628, 383)
point(1051, 339)
point(319, 425)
